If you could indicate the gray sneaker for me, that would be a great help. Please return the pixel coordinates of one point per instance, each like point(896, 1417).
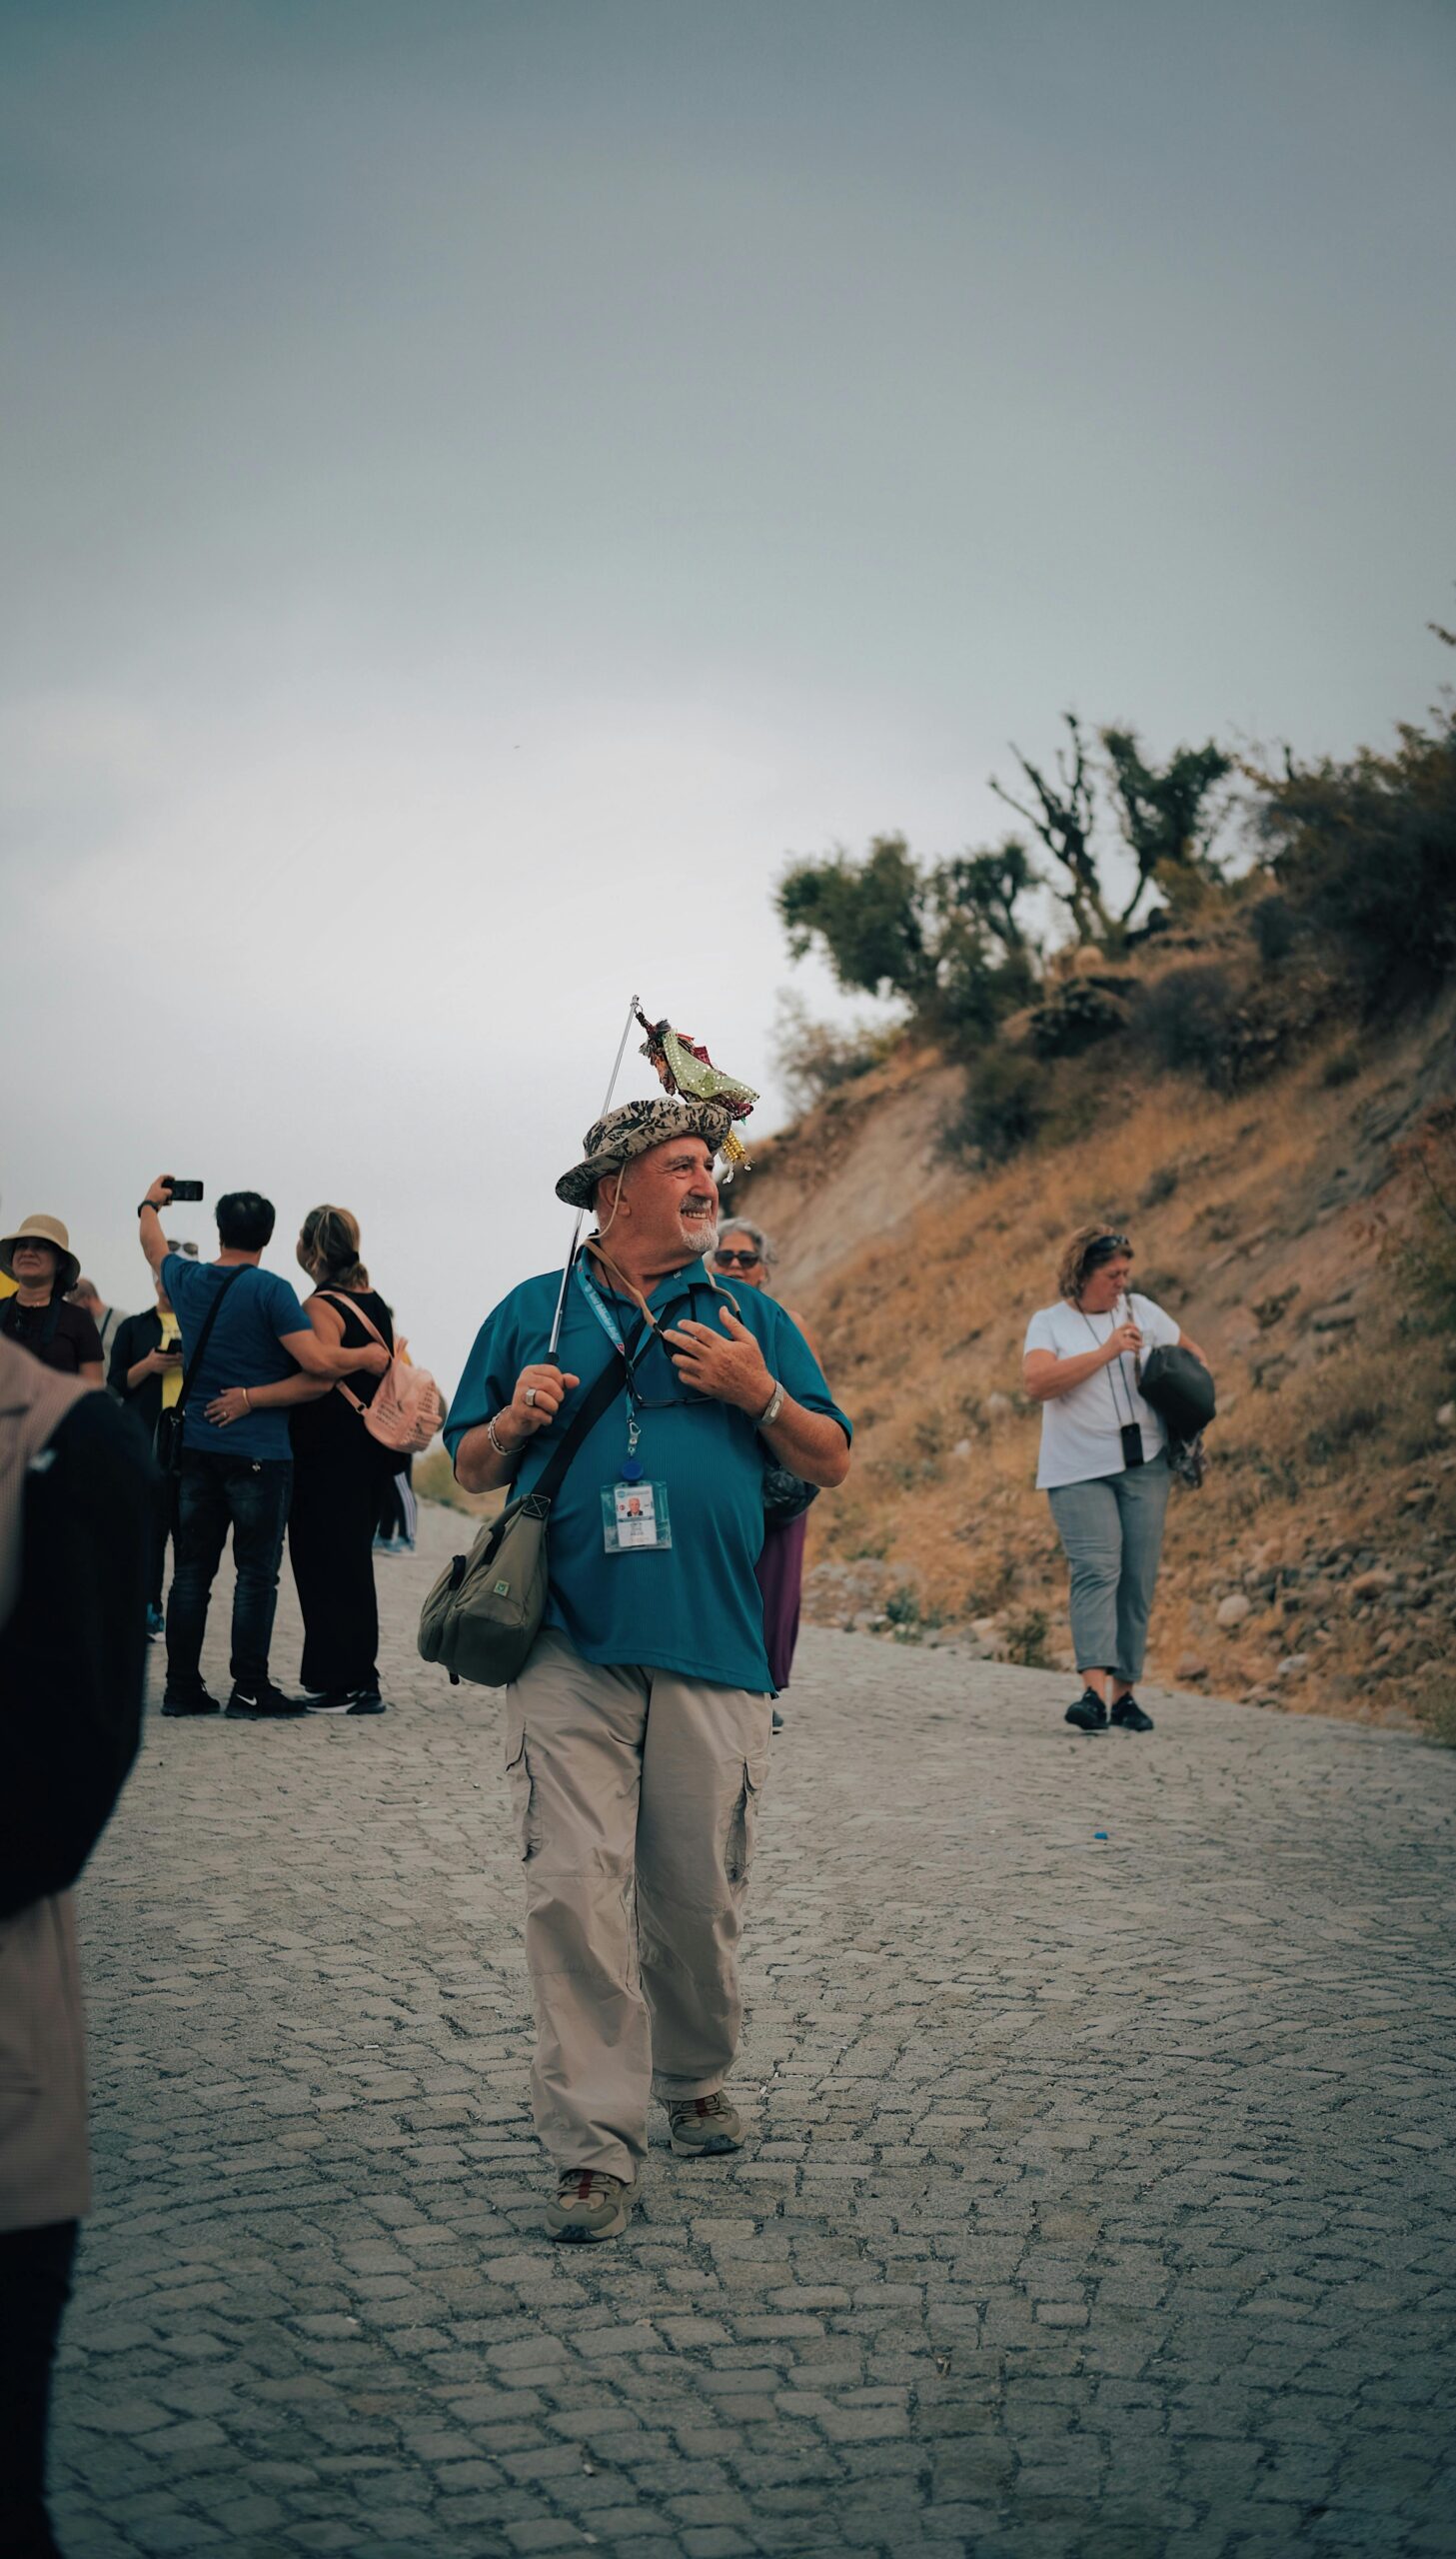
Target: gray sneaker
point(590, 2206)
point(704, 2127)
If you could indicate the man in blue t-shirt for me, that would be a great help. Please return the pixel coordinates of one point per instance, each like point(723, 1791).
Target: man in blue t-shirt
point(637, 1733)
point(238, 1474)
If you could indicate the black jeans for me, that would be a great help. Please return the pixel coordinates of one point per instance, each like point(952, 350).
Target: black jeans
point(331, 1542)
point(250, 1495)
point(35, 2285)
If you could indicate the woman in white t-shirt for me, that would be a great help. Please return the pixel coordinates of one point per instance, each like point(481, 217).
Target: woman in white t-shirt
point(1103, 1465)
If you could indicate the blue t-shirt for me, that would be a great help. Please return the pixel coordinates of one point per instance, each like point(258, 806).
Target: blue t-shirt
point(694, 1606)
point(243, 1349)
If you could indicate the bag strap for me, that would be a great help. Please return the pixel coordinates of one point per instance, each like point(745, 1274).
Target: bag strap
point(342, 1298)
point(589, 1413)
point(203, 1339)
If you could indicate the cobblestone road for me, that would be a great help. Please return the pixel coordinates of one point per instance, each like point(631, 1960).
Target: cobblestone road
point(1099, 2204)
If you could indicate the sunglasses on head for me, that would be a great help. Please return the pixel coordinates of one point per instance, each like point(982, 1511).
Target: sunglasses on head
point(1106, 1246)
point(734, 1261)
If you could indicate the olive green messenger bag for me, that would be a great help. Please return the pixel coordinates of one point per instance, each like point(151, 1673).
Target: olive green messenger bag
point(484, 1611)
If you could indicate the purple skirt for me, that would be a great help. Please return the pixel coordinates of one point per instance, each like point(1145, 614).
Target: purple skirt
point(780, 1578)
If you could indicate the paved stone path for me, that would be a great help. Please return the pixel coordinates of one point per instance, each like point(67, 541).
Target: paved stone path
point(1100, 2202)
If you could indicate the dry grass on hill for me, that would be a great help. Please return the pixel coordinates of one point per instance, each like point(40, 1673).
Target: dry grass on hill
point(1257, 1220)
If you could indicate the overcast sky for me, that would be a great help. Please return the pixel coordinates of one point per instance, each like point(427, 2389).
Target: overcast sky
point(483, 483)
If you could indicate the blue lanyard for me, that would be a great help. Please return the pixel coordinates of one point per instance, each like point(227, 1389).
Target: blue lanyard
point(632, 1466)
point(600, 1309)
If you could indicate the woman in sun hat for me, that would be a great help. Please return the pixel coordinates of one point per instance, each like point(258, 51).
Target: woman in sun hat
point(38, 1257)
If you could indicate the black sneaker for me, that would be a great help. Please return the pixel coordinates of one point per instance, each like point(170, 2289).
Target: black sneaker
point(1088, 1715)
point(188, 1702)
point(1128, 1714)
point(347, 1701)
point(254, 1705)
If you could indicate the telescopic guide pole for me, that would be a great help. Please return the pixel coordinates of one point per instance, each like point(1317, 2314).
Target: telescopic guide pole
point(561, 1304)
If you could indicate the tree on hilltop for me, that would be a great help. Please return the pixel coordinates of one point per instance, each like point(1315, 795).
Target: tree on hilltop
point(1167, 820)
point(1062, 820)
point(947, 938)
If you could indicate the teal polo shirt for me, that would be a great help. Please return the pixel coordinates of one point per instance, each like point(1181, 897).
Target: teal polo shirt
point(693, 1607)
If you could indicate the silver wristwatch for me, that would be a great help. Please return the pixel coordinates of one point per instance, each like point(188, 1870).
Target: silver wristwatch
point(771, 1409)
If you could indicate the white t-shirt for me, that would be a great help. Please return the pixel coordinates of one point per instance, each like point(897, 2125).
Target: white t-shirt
point(1081, 1430)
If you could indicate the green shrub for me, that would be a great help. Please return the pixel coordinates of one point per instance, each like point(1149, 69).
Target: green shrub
point(1079, 1015)
point(1027, 1640)
point(1198, 1021)
point(1339, 1428)
point(1365, 855)
point(1276, 930)
point(1007, 1103)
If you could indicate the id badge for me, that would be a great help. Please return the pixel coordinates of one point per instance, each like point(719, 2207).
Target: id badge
point(635, 1515)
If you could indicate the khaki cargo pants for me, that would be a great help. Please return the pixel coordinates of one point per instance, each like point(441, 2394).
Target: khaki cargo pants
point(636, 1793)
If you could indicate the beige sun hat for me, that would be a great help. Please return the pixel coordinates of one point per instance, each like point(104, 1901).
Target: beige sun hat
point(634, 1129)
point(42, 1231)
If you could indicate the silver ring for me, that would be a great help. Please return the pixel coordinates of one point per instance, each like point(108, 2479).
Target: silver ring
point(529, 1396)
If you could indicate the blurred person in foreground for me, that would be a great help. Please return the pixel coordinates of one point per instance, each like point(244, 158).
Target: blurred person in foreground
point(238, 1477)
point(40, 1317)
point(146, 1372)
point(107, 1319)
point(743, 1255)
point(75, 1492)
point(637, 1733)
point(339, 1470)
point(1103, 1465)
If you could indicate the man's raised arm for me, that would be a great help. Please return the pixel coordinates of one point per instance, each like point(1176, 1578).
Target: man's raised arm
point(154, 1243)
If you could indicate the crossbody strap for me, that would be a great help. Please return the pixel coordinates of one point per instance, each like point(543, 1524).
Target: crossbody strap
point(599, 1395)
point(203, 1339)
point(341, 1297)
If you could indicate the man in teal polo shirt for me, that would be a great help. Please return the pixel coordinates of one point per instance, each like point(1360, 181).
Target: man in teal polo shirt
point(638, 1735)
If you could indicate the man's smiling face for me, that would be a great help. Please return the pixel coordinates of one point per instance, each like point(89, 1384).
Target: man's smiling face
point(672, 1199)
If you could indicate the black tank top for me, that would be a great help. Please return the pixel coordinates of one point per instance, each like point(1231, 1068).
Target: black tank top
point(330, 1427)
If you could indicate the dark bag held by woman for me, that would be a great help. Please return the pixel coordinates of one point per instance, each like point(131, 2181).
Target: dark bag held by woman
point(1179, 1389)
point(786, 1495)
point(167, 1437)
point(484, 1612)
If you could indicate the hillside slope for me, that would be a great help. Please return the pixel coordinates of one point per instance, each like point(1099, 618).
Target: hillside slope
point(1314, 1569)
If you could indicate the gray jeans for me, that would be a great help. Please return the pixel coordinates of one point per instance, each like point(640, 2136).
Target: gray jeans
point(1112, 1531)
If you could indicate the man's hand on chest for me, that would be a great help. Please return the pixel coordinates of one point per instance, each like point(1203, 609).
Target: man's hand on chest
point(726, 1364)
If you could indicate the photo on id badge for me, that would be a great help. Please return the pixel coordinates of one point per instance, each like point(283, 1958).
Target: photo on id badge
point(635, 1515)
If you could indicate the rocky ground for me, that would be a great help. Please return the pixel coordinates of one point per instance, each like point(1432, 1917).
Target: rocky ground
point(1098, 2204)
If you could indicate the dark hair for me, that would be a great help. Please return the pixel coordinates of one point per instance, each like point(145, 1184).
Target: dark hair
point(245, 1220)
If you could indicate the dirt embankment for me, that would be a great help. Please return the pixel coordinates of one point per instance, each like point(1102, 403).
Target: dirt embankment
point(1315, 1569)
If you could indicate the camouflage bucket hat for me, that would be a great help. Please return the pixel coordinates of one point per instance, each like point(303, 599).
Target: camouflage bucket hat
point(634, 1129)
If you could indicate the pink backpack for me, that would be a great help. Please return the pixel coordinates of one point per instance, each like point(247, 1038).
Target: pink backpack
point(405, 1410)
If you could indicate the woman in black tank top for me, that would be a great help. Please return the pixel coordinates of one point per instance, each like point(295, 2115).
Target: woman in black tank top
point(339, 1476)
